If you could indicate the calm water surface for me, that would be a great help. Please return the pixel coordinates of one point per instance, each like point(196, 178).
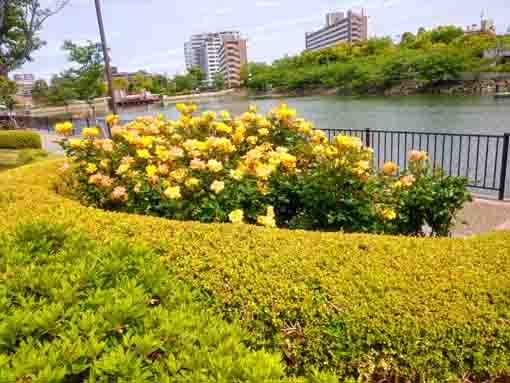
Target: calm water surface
point(446, 114)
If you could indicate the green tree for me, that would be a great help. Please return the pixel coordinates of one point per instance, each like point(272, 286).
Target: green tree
point(88, 77)
point(40, 92)
point(61, 90)
point(7, 91)
point(219, 81)
point(446, 34)
point(441, 65)
point(197, 75)
point(141, 82)
point(183, 83)
point(120, 83)
point(20, 24)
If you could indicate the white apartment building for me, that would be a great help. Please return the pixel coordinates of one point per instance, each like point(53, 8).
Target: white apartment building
point(203, 50)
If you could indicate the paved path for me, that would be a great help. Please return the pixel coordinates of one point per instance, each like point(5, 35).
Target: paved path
point(481, 216)
point(49, 142)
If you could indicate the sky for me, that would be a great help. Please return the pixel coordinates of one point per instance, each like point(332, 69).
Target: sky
point(150, 34)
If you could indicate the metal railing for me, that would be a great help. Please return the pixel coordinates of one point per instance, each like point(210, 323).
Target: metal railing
point(482, 159)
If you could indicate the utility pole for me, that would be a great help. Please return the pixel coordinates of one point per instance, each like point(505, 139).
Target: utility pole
point(108, 69)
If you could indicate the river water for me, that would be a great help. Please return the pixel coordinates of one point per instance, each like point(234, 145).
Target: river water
point(445, 114)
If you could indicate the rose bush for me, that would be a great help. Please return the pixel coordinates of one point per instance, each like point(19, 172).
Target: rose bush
point(273, 170)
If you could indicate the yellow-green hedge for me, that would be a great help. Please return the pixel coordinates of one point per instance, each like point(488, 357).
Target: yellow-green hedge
point(360, 305)
point(19, 139)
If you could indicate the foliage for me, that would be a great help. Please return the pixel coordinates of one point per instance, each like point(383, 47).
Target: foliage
point(120, 83)
point(271, 170)
point(440, 54)
point(88, 78)
point(365, 307)
point(72, 311)
point(20, 24)
point(40, 92)
point(219, 80)
point(7, 90)
point(85, 81)
point(15, 139)
point(140, 83)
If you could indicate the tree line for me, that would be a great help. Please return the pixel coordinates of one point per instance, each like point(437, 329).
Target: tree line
point(428, 57)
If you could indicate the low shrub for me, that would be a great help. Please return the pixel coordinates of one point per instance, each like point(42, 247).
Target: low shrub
point(363, 307)
point(273, 170)
point(13, 139)
point(73, 312)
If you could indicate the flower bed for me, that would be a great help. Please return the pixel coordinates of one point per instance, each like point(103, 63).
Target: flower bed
point(274, 170)
point(358, 305)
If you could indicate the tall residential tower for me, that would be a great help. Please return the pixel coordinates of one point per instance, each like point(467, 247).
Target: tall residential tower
point(209, 52)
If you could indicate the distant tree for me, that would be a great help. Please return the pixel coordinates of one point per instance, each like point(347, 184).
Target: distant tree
point(20, 24)
point(88, 77)
point(159, 84)
point(61, 90)
point(446, 34)
point(219, 81)
point(183, 83)
point(141, 82)
point(40, 92)
point(439, 66)
point(7, 91)
point(120, 83)
point(407, 39)
point(197, 75)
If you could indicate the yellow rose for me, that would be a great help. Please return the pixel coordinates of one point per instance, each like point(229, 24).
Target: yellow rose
point(173, 192)
point(90, 132)
point(390, 167)
point(416, 155)
point(389, 214)
point(252, 140)
point(237, 216)
point(151, 170)
point(143, 153)
point(217, 186)
point(91, 168)
point(214, 166)
point(263, 132)
point(192, 183)
point(237, 174)
point(407, 181)
point(75, 143)
point(64, 128)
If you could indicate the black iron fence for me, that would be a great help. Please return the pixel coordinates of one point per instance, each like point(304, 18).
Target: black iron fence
point(482, 159)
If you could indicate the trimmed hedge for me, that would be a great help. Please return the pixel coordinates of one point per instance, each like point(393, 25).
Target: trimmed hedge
point(72, 312)
point(362, 306)
point(14, 139)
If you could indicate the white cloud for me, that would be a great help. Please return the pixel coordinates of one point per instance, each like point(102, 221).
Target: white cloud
point(267, 4)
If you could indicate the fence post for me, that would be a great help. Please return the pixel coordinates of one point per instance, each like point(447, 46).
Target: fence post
point(367, 137)
point(504, 166)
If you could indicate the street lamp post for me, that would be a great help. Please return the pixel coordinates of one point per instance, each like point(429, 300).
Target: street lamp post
point(108, 69)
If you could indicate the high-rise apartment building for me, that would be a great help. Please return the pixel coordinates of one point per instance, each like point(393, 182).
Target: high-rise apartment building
point(25, 84)
point(203, 50)
point(339, 28)
point(233, 55)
